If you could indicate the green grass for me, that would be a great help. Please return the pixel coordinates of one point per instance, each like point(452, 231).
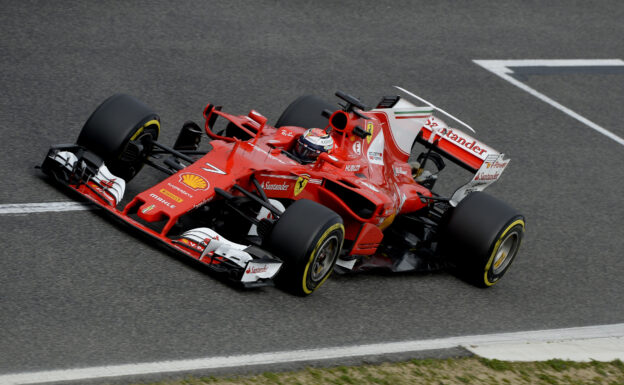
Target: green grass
point(458, 371)
point(496, 364)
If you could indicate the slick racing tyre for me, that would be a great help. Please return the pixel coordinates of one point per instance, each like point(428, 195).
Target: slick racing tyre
point(306, 112)
point(121, 131)
point(482, 238)
point(308, 237)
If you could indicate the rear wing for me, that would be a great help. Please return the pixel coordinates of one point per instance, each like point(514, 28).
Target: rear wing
point(454, 144)
point(489, 172)
point(486, 163)
point(483, 161)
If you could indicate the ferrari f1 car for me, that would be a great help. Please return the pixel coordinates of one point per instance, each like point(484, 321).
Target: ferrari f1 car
point(324, 188)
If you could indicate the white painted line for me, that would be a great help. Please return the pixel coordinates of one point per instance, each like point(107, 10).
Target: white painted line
point(237, 361)
point(501, 68)
point(44, 207)
point(597, 349)
point(503, 65)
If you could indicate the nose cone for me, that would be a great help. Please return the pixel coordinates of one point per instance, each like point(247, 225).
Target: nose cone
point(176, 195)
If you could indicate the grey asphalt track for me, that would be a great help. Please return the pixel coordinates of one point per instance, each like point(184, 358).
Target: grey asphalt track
point(77, 291)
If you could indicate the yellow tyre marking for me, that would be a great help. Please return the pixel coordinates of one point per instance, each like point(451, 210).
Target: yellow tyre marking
point(500, 239)
point(318, 244)
point(149, 123)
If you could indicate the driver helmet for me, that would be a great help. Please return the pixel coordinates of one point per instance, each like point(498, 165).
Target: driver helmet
point(312, 143)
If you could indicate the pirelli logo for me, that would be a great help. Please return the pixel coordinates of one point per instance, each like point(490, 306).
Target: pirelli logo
point(171, 195)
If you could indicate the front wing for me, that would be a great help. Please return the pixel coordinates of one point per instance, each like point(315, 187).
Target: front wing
point(86, 174)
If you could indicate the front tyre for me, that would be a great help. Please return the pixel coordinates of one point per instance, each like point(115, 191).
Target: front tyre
point(308, 237)
point(121, 131)
point(482, 237)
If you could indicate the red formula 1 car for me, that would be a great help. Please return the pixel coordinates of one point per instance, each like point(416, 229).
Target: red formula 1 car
point(324, 188)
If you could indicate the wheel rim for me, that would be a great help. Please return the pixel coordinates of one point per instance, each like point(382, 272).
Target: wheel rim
point(135, 154)
point(506, 252)
point(324, 258)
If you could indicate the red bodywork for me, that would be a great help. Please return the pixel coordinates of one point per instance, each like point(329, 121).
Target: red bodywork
point(352, 172)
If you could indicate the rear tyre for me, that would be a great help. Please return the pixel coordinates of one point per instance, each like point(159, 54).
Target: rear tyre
point(305, 112)
point(308, 237)
point(121, 131)
point(482, 238)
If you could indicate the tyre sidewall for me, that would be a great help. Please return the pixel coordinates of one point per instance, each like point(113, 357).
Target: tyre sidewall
point(473, 233)
point(516, 225)
point(308, 285)
point(296, 238)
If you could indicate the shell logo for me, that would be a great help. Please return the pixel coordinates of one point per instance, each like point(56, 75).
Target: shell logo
point(194, 181)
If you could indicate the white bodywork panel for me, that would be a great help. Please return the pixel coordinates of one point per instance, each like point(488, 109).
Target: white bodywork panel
point(260, 270)
point(218, 245)
point(215, 243)
point(405, 120)
point(265, 214)
point(489, 173)
point(376, 150)
point(347, 264)
point(111, 184)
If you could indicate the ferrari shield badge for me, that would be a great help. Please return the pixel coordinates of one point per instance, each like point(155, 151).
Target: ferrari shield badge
point(302, 181)
point(369, 128)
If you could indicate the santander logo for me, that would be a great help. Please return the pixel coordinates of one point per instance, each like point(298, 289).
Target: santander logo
point(275, 186)
point(257, 270)
point(472, 145)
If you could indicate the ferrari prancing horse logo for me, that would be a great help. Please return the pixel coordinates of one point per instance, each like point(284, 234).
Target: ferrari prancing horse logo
point(369, 128)
point(302, 181)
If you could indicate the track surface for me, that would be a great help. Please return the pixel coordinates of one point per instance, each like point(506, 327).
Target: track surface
point(77, 291)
